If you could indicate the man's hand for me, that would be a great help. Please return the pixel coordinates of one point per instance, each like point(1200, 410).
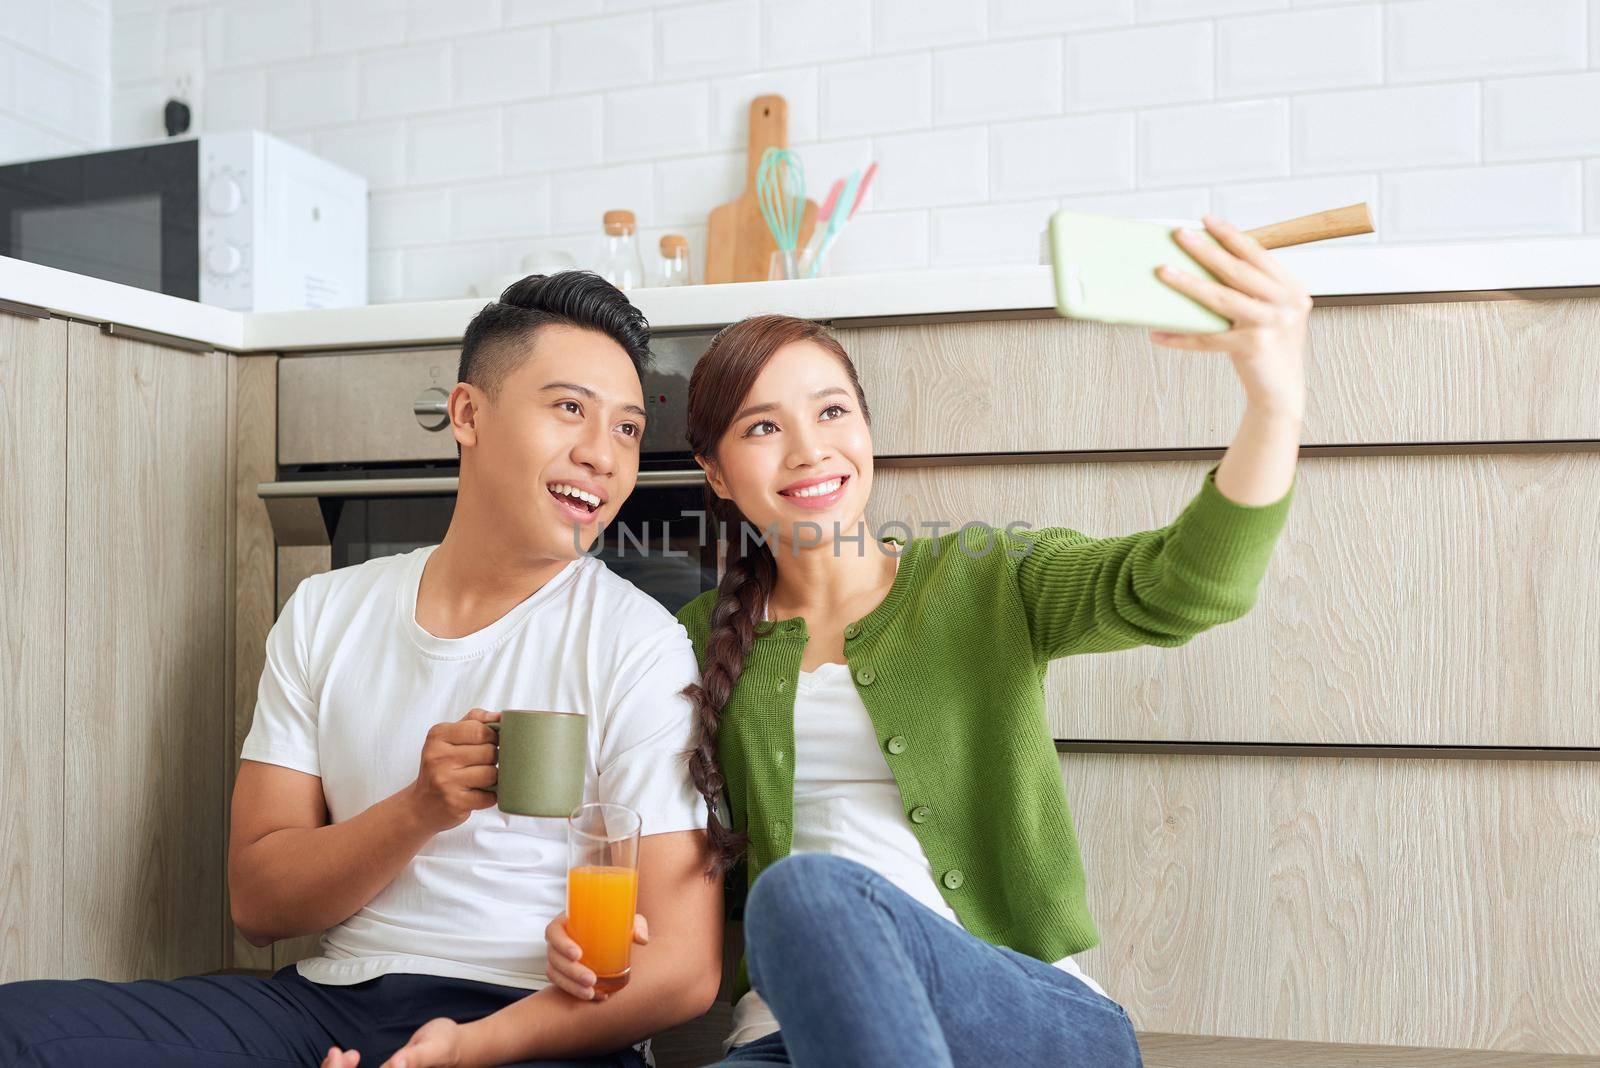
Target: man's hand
point(562, 957)
point(456, 771)
point(437, 1044)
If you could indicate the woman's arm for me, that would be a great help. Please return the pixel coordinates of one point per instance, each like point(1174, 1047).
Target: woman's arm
point(1268, 308)
point(1162, 587)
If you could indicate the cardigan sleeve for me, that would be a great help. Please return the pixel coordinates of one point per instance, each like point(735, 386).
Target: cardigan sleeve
point(1156, 587)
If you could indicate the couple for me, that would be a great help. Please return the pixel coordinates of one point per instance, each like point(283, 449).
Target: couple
point(868, 715)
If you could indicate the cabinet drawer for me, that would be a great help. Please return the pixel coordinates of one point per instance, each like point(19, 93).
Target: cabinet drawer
point(1408, 902)
point(1413, 600)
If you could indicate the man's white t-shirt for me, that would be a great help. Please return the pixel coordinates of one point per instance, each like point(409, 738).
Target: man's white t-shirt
point(351, 685)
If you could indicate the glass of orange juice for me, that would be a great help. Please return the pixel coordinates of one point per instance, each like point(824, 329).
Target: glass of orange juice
point(603, 889)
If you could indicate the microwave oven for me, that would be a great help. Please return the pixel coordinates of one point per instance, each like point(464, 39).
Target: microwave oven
point(241, 220)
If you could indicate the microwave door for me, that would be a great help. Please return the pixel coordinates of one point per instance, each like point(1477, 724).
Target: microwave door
point(127, 215)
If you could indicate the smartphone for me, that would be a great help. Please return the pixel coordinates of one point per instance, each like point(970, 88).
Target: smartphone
point(1105, 270)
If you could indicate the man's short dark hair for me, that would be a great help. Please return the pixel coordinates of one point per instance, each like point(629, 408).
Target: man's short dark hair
point(498, 338)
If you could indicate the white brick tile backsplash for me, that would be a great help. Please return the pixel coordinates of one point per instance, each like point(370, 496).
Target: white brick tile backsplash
point(1518, 200)
point(992, 233)
point(903, 24)
point(1556, 115)
point(881, 241)
point(687, 189)
point(1436, 39)
point(374, 150)
point(446, 272)
point(1186, 204)
point(663, 120)
point(385, 281)
point(1011, 18)
point(523, 12)
point(492, 129)
point(454, 147)
point(829, 161)
point(1214, 143)
point(1591, 196)
point(603, 53)
point(1372, 128)
point(47, 95)
point(1158, 10)
point(80, 39)
point(315, 92)
point(553, 134)
point(27, 24)
point(1008, 80)
point(1148, 65)
point(578, 199)
point(234, 100)
point(928, 169)
point(428, 20)
point(806, 31)
point(261, 31)
point(135, 116)
point(359, 25)
point(708, 39)
point(139, 53)
point(405, 81)
point(408, 217)
point(876, 96)
point(1052, 157)
point(186, 30)
point(1260, 203)
point(509, 66)
point(498, 209)
point(1298, 50)
point(731, 99)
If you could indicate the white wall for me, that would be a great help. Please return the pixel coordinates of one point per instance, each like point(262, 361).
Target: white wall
point(55, 77)
point(491, 128)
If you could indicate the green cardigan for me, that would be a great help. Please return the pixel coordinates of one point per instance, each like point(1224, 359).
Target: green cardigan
point(951, 669)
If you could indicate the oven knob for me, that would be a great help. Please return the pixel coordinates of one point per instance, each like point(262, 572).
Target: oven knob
point(432, 408)
point(223, 259)
point(223, 195)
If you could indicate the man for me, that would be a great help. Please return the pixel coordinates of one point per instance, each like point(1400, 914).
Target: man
point(363, 805)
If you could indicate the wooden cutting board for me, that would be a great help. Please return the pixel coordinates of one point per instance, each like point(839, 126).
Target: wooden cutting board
point(739, 246)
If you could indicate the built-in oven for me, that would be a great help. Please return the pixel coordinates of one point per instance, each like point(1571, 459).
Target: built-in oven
point(367, 467)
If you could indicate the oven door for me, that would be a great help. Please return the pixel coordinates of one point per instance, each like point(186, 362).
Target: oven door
point(658, 541)
point(129, 215)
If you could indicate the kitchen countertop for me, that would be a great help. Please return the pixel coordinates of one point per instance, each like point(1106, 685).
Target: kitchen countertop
point(1328, 271)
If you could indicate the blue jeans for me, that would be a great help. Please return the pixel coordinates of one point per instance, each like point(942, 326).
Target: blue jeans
point(231, 1021)
point(859, 973)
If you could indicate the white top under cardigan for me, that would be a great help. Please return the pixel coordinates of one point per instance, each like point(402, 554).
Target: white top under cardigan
point(846, 804)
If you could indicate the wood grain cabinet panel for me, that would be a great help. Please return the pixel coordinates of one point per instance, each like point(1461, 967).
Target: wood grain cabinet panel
point(33, 561)
point(1413, 600)
point(1403, 902)
point(148, 503)
point(1503, 370)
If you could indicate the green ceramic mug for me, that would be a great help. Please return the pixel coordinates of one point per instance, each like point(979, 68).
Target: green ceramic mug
point(542, 759)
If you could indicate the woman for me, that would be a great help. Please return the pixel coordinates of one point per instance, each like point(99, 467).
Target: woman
point(876, 713)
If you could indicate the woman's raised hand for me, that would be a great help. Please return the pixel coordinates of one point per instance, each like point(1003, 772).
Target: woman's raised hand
point(1267, 306)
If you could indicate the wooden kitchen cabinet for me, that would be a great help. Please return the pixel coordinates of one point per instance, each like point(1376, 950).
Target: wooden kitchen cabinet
point(1465, 371)
point(1394, 902)
point(1412, 600)
point(113, 654)
point(33, 562)
point(147, 654)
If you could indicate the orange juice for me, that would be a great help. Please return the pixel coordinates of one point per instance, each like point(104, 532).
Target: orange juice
point(601, 901)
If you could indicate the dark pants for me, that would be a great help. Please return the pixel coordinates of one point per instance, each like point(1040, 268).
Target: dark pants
point(229, 1021)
